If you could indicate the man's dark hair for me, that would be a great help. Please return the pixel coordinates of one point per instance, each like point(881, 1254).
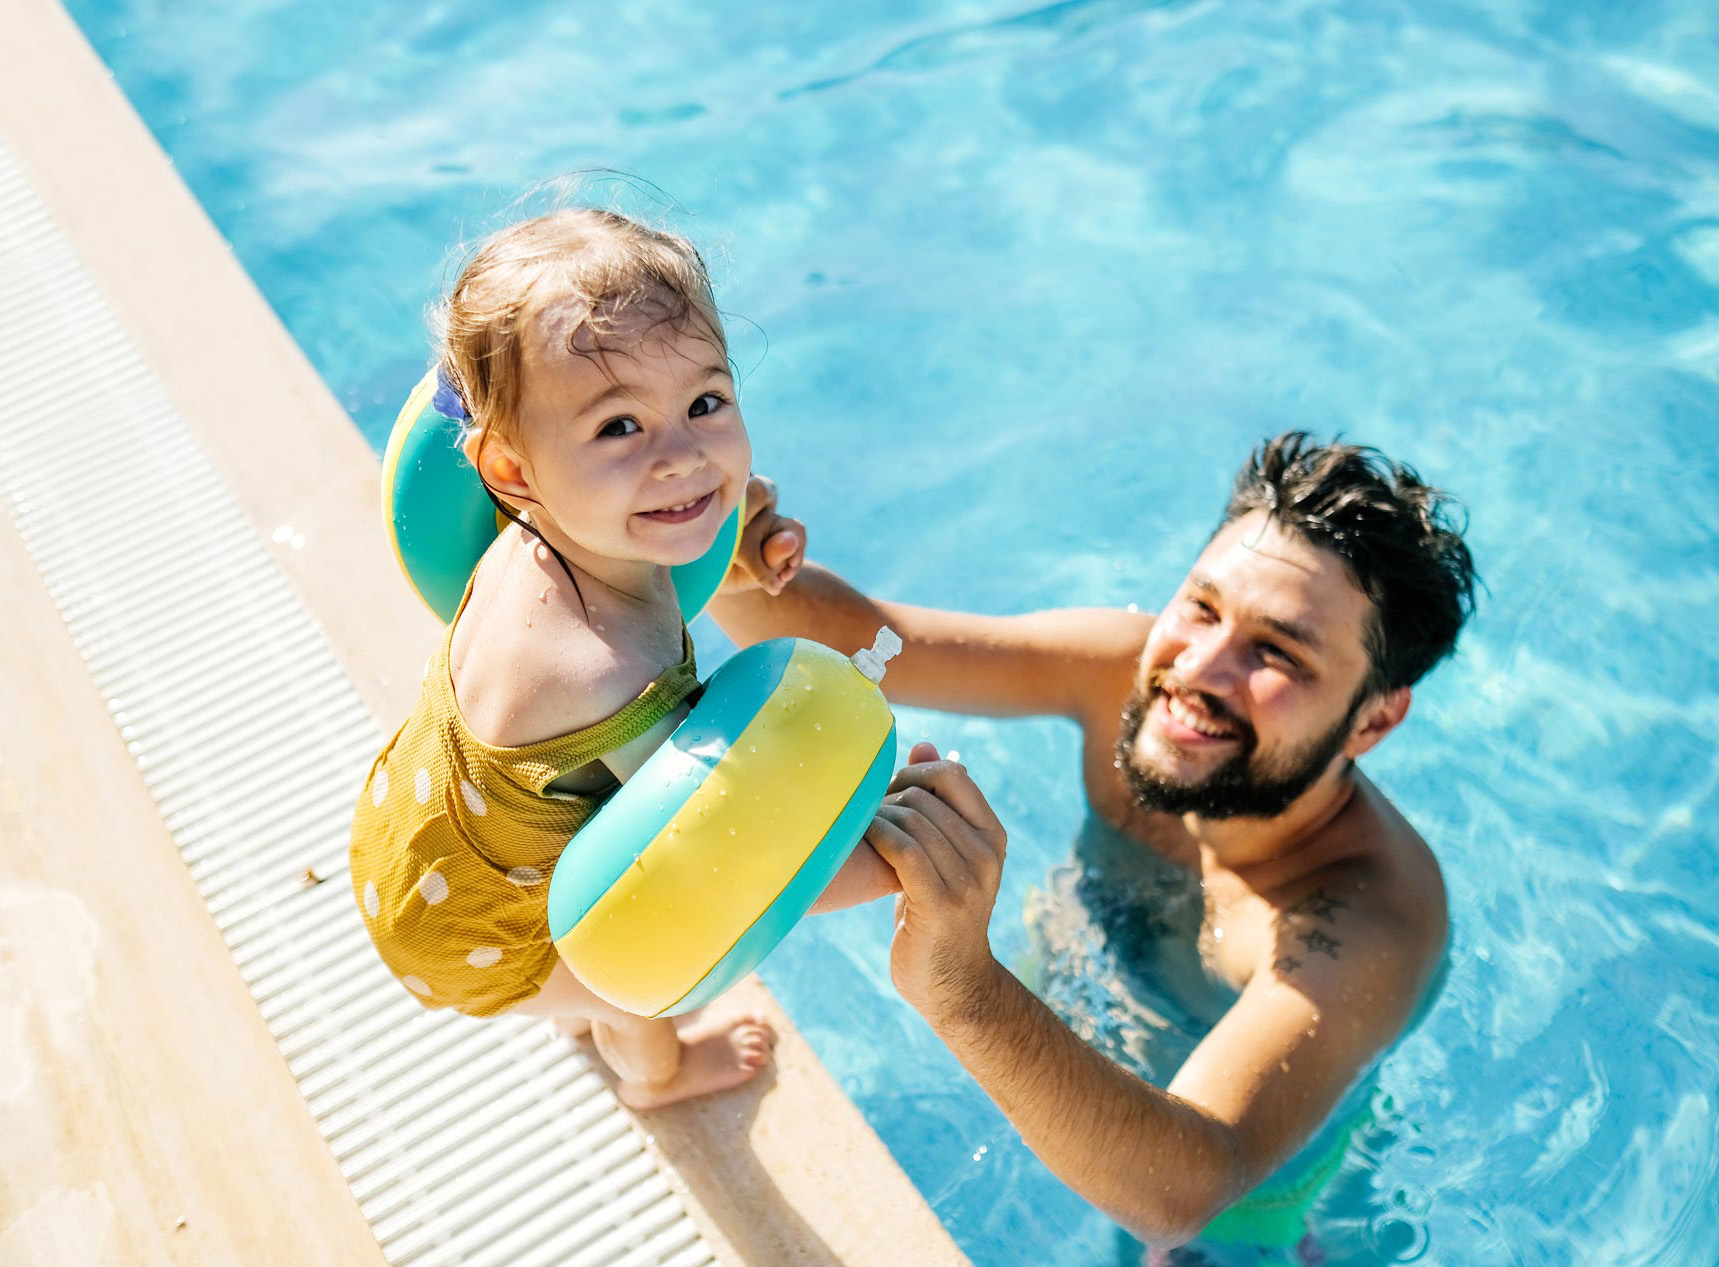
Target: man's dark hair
point(1394, 531)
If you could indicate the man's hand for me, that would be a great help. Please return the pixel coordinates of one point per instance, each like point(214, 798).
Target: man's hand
point(946, 847)
point(772, 547)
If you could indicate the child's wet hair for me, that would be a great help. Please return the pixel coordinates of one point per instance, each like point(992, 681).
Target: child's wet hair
point(613, 268)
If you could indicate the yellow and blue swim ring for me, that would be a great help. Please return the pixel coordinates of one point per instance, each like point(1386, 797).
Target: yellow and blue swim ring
point(440, 518)
point(699, 865)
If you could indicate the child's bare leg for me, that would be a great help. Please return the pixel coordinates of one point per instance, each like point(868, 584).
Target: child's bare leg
point(661, 1062)
point(658, 1061)
point(642, 1053)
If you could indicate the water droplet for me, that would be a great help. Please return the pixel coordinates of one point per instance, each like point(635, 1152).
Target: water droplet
point(817, 725)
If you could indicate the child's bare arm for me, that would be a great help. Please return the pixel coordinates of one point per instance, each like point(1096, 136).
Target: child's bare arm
point(864, 877)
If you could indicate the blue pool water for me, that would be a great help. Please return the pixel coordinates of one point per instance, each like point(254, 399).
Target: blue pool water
point(1020, 287)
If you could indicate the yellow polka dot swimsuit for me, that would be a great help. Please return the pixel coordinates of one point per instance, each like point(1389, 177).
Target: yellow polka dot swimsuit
point(454, 841)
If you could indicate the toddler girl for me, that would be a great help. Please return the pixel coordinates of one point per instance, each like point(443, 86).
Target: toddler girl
point(587, 353)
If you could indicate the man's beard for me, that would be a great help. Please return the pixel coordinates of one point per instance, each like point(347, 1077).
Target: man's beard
point(1240, 787)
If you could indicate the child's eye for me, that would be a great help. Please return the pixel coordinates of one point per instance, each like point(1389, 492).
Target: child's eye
point(619, 427)
point(1201, 611)
point(708, 403)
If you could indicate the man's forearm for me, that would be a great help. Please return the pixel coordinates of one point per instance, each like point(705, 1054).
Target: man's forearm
point(1151, 1161)
point(816, 604)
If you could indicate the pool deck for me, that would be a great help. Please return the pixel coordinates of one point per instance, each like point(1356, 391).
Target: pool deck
point(147, 1114)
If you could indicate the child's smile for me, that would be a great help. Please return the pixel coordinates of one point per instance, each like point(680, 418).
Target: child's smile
point(684, 513)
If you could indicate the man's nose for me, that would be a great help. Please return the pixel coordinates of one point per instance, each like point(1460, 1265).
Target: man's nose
point(1208, 662)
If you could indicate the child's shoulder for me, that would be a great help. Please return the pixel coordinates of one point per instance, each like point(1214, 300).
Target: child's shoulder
point(585, 675)
point(525, 671)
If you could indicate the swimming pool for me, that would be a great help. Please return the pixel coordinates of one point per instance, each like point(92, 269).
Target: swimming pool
point(1029, 282)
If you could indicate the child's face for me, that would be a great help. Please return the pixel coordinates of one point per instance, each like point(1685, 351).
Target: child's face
point(635, 448)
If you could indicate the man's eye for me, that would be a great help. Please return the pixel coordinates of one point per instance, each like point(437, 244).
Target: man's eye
point(1271, 651)
point(619, 427)
point(708, 403)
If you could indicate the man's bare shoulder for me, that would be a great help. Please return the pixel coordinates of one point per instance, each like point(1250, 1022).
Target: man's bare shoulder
point(1376, 917)
point(1400, 870)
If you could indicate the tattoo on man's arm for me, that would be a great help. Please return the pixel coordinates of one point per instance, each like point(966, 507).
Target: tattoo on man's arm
point(1318, 943)
point(1319, 904)
point(1302, 922)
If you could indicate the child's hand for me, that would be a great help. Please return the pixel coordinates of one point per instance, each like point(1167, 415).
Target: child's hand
point(772, 546)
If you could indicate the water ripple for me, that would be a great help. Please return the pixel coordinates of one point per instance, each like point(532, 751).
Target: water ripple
point(1037, 30)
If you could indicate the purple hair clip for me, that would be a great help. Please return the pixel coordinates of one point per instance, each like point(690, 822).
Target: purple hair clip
point(447, 399)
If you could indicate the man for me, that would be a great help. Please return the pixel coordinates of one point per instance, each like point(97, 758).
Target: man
point(1221, 734)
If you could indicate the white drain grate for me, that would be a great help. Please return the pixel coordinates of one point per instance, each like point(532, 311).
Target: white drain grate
point(464, 1142)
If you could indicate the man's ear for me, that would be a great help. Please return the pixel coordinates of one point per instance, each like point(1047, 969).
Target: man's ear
point(1377, 718)
point(500, 466)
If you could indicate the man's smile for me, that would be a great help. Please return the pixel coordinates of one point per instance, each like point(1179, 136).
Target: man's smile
point(1186, 722)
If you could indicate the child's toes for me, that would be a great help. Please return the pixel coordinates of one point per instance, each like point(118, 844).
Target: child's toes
point(761, 1023)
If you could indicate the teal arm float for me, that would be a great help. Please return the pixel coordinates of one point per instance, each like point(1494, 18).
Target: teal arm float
point(440, 519)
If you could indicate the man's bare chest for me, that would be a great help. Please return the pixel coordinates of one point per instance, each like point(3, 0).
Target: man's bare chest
point(1238, 931)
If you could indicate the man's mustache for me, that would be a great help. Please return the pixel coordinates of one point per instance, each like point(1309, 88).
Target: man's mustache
point(1161, 681)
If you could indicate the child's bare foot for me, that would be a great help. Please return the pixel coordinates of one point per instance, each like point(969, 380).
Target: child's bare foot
point(717, 1052)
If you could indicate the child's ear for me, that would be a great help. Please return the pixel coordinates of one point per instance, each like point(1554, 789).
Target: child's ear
point(501, 468)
